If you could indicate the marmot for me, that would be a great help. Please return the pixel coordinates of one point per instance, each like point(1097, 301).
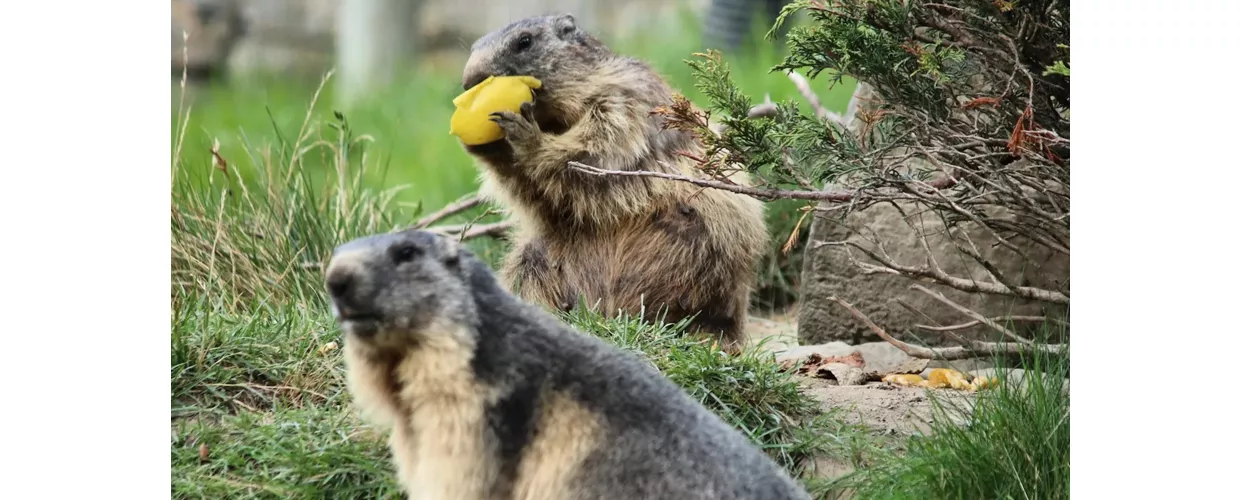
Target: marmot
point(616, 241)
point(489, 396)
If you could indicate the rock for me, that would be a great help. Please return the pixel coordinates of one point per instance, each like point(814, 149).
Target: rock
point(879, 358)
point(841, 373)
point(882, 357)
point(829, 272)
point(824, 350)
point(961, 365)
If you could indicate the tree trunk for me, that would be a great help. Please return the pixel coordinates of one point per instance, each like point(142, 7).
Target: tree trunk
point(375, 41)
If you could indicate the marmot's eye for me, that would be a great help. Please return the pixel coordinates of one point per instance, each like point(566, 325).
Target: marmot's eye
point(524, 42)
point(404, 253)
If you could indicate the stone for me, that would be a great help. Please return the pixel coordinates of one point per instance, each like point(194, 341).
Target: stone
point(829, 272)
point(960, 365)
point(801, 352)
point(842, 374)
point(882, 357)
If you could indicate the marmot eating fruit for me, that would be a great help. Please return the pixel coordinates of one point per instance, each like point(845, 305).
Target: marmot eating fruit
point(619, 242)
point(487, 396)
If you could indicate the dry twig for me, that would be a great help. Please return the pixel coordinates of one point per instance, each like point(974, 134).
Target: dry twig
point(449, 210)
point(972, 349)
point(970, 313)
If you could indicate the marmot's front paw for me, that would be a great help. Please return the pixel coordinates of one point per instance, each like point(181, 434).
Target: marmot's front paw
point(520, 129)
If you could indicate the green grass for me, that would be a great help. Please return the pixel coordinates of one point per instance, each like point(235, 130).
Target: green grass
point(256, 372)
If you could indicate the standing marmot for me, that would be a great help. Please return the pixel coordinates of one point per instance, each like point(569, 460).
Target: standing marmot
point(611, 240)
point(487, 396)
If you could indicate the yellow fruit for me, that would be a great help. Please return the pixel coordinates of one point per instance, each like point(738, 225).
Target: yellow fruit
point(472, 120)
point(945, 377)
point(908, 379)
point(985, 382)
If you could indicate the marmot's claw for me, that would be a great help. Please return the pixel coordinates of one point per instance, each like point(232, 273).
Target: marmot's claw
point(519, 129)
point(527, 111)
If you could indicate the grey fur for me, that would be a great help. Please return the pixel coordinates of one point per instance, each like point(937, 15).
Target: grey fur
point(655, 441)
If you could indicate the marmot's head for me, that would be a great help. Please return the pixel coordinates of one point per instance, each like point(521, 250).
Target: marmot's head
point(393, 290)
point(552, 49)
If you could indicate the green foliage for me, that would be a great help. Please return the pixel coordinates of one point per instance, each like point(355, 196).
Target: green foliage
point(1059, 67)
point(928, 62)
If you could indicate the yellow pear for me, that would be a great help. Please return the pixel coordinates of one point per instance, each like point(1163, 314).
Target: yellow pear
point(907, 379)
point(472, 120)
point(946, 377)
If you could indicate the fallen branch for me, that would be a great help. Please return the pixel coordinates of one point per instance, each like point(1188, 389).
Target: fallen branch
point(462, 231)
point(494, 229)
point(970, 324)
point(965, 285)
point(972, 314)
point(457, 207)
point(821, 111)
point(950, 353)
point(765, 194)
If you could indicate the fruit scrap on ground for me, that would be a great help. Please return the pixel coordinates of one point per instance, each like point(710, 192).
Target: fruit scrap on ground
point(942, 378)
point(471, 122)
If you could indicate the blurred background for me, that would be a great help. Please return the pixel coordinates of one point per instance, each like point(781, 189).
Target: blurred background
point(246, 77)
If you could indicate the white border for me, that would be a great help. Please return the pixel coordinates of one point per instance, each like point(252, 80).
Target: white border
point(1156, 185)
point(86, 191)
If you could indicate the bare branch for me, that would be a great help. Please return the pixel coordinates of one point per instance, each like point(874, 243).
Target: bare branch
point(911, 350)
point(973, 349)
point(808, 93)
point(457, 207)
point(494, 229)
point(888, 266)
point(759, 193)
point(970, 313)
point(970, 324)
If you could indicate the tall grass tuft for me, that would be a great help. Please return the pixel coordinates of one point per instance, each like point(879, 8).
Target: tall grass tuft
point(240, 240)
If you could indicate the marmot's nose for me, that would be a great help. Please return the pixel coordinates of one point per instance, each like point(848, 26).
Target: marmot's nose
point(339, 283)
point(473, 80)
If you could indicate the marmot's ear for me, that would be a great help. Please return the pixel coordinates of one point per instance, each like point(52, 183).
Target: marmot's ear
point(565, 25)
point(449, 251)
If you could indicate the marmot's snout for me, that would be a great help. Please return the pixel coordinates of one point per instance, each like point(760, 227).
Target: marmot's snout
point(350, 301)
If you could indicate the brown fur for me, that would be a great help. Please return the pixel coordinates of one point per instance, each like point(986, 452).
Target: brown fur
point(619, 242)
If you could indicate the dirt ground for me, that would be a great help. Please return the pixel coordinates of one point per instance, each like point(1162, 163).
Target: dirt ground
point(881, 407)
